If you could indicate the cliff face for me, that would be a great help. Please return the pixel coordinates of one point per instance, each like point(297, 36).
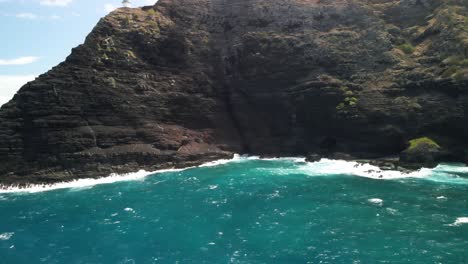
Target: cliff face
point(188, 81)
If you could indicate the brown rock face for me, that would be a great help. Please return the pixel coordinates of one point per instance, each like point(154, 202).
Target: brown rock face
point(188, 81)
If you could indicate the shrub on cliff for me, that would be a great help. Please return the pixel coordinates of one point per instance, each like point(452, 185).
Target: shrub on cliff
point(421, 152)
point(423, 142)
point(407, 48)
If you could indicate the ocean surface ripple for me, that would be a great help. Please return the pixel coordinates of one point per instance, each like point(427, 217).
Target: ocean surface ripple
point(244, 210)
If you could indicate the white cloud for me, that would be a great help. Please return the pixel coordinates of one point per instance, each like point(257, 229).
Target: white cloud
point(26, 16)
point(10, 84)
point(55, 2)
point(110, 7)
point(5, 99)
point(32, 16)
point(19, 61)
point(147, 2)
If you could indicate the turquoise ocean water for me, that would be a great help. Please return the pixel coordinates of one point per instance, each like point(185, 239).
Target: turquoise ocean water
point(244, 211)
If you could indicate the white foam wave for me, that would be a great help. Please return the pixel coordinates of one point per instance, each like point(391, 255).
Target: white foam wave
point(240, 158)
point(442, 173)
point(89, 183)
point(451, 168)
point(236, 157)
point(6, 236)
point(330, 167)
point(460, 221)
point(376, 201)
point(326, 167)
point(291, 159)
point(80, 183)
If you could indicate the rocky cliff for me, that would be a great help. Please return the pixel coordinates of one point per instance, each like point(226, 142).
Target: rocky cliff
point(186, 81)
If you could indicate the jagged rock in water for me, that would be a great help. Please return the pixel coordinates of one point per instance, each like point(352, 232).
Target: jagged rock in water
point(187, 81)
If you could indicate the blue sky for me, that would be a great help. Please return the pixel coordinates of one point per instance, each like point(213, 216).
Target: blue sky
point(39, 34)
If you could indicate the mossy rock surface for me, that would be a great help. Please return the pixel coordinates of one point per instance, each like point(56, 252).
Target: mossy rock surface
point(422, 151)
point(422, 143)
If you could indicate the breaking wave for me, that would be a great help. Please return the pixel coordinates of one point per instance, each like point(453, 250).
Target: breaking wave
point(460, 221)
point(6, 236)
point(444, 173)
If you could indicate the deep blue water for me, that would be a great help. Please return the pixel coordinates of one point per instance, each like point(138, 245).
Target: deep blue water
point(247, 211)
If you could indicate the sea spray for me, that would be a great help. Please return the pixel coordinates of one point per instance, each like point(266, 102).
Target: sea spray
point(442, 173)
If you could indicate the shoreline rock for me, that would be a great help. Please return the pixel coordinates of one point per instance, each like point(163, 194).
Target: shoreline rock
point(392, 163)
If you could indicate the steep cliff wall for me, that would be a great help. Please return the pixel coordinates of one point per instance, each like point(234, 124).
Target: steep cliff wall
point(188, 81)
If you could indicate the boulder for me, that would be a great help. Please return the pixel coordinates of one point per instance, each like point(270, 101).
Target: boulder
point(421, 152)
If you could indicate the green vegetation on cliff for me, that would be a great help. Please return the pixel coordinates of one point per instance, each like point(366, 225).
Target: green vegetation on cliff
point(407, 48)
point(422, 142)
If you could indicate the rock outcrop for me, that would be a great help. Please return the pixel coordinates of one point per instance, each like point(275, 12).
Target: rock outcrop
point(422, 151)
point(187, 81)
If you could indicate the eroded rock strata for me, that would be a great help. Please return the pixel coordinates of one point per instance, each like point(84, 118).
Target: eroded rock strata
point(187, 81)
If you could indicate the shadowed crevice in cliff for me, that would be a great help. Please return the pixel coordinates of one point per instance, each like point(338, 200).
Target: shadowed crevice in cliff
point(223, 41)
